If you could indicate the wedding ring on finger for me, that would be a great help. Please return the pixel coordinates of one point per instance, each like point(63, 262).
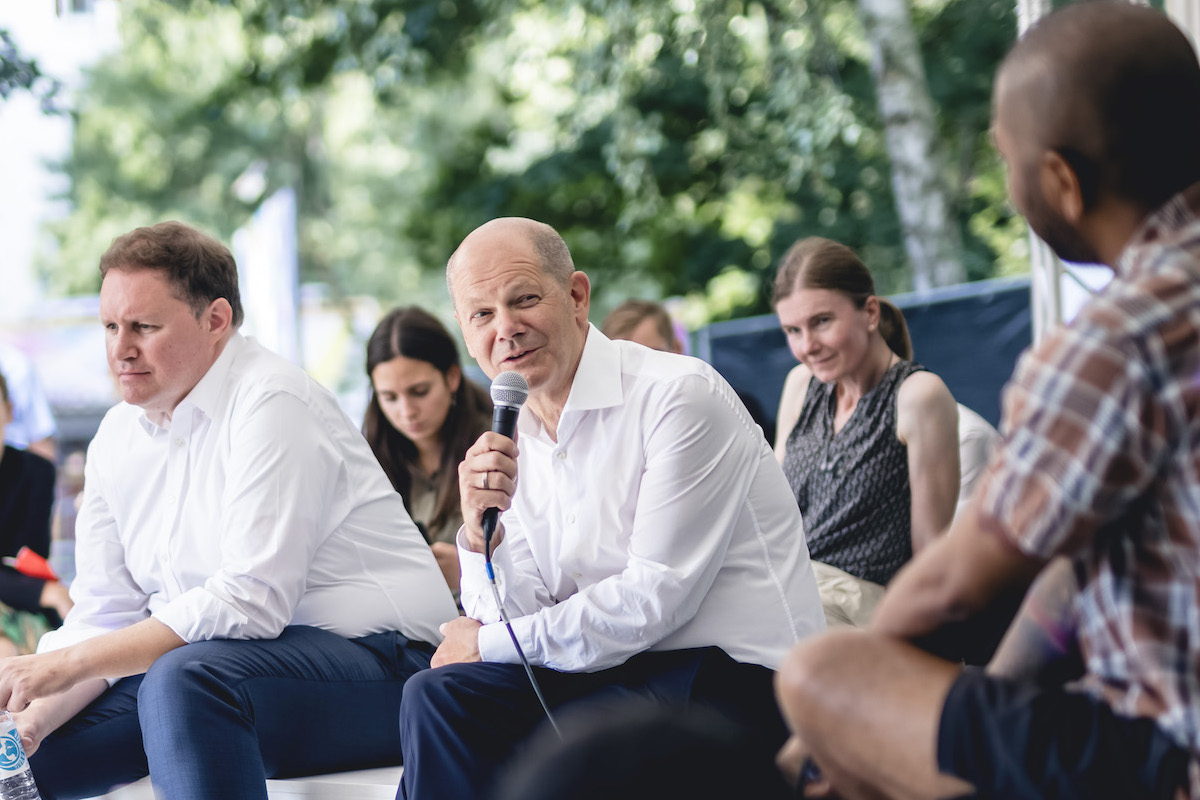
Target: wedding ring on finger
point(485, 480)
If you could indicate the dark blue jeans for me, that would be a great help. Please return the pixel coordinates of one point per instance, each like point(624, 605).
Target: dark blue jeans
point(216, 719)
point(460, 724)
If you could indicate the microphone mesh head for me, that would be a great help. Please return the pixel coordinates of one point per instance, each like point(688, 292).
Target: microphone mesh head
point(510, 389)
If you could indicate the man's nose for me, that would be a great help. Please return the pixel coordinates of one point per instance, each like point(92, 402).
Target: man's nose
point(509, 324)
point(122, 345)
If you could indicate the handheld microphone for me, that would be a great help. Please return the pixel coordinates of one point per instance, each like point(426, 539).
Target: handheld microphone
point(509, 392)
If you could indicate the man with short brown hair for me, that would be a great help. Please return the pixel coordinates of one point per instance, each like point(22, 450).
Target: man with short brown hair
point(251, 595)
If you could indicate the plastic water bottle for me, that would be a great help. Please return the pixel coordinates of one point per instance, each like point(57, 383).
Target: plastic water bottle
point(16, 778)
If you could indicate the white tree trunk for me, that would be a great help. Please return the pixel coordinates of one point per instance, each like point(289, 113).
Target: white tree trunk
point(931, 236)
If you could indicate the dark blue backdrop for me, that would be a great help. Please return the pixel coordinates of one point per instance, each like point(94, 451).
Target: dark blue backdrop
point(970, 335)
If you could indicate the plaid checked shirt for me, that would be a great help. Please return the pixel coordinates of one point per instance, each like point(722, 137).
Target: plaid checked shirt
point(1101, 462)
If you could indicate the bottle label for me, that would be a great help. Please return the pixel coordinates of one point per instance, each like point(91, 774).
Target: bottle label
point(12, 754)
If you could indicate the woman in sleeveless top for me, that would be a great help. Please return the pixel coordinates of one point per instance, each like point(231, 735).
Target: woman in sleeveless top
point(867, 438)
point(421, 418)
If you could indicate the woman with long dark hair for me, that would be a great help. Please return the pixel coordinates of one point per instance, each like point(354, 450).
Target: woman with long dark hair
point(422, 416)
point(868, 438)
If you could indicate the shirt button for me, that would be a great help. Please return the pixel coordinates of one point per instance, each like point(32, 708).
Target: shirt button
point(571, 518)
point(179, 442)
point(170, 499)
point(562, 455)
point(576, 575)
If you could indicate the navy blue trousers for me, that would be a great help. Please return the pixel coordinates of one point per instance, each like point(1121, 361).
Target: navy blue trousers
point(460, 724)
point(216, 719)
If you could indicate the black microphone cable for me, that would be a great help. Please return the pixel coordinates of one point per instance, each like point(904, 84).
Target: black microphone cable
point(509, 391)
point(537, 689)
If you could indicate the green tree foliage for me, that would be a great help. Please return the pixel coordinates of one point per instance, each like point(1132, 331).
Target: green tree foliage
point(18, 73)
point(194, 104)
point(680, 146)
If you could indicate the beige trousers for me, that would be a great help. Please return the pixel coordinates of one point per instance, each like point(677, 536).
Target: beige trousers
point(848, 601)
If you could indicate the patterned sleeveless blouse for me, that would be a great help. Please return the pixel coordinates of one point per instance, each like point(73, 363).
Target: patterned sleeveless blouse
point(852, 486)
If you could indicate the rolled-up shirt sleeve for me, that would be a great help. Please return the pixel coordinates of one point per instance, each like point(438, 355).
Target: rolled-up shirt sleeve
point(1081, 444)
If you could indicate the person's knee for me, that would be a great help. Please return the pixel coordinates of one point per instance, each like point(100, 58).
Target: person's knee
point(814, 673)
point(174, 676)
point(443, 695)
point(429, 688)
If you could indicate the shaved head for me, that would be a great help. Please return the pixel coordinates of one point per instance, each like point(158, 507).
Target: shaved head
point(1114, 89)
point(553, 255)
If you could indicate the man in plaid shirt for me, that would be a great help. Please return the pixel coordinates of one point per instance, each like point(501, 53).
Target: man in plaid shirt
point(1097, 114)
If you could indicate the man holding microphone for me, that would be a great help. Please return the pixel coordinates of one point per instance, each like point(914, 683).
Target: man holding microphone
point(649, 545)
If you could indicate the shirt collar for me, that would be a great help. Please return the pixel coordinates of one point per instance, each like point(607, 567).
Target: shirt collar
point(1179, 211)
point(597, 381)
point(206, 394)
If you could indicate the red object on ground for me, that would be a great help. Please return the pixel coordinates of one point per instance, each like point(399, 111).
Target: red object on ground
point(30, 563)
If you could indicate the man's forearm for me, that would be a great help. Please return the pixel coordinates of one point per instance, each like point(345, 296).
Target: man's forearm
point(129, 651)
point(46, 715)
point(1042, 643)
point(920, 599)
point(969, 571)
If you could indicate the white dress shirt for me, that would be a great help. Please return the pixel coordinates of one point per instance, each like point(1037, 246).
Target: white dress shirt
point(660, 520)
point(258, 505)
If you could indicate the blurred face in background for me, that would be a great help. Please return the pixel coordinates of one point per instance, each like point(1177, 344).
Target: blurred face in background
point(415, 397)
point(646, 333)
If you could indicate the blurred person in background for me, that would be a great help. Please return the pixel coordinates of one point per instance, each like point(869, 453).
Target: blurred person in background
point(422, 416)
point(649, 324)
point(644, 322)
point(29, 606)
point(32, 425)
point(868, 438)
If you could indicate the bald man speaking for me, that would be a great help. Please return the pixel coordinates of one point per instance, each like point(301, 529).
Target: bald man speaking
point(649, 546)
point(1096, 691)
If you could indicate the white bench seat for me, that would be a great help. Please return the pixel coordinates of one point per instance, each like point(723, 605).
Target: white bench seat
point(363, 784)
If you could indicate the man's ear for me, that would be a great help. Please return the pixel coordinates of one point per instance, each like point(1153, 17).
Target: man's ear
point(219, 317)
point(1060, 187)
point(581, 295)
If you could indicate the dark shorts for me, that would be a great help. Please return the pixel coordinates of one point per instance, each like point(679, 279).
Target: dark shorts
point(1020, 740)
